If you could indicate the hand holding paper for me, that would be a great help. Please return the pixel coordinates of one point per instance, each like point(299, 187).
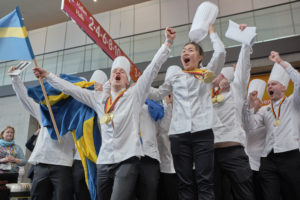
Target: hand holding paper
point(241, 33)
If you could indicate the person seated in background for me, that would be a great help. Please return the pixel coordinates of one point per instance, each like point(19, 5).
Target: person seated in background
point(11, 155)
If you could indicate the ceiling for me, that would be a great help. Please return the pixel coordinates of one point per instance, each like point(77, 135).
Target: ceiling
point(41, 13)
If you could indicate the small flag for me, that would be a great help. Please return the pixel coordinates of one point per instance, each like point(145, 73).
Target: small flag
point(14, 41)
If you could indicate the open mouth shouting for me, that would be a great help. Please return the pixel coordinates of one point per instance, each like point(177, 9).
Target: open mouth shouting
point(118, 78)
point(186, 60)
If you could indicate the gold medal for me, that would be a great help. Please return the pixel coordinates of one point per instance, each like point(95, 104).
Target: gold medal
point(277, 122)
point(214, 100)
point(106, 118)
point(220, 98)
point(209, 76)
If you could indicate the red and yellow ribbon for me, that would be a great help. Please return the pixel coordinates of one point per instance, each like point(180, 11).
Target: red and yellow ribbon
point(273, 111)
point(110, 106)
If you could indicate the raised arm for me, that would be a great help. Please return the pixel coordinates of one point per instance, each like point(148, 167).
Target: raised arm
point(252, 121)
point(218, 58)
point(242, 71)
point(293, 74)
point(83, 95)
point(28, 103)
point(144, 82)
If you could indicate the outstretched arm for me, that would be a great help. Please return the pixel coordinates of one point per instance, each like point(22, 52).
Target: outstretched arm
point(83, 95)
point(144, 82)
point(294, 74)
point(243, 67)
point(218, 58)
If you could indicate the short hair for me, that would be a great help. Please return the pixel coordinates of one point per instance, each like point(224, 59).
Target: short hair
point(197, 47)
point(2, 132)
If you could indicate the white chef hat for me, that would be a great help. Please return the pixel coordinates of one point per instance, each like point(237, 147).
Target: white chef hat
point(172, 71)
point(122, 62)
point(99, 76)
point(228, 73)
point(280, 75)
point(206, 14)
point(258, 85)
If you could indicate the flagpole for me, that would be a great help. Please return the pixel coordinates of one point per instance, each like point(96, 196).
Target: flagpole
point(48, 105)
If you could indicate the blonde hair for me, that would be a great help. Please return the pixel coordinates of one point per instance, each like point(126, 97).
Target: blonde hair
point(2, 132)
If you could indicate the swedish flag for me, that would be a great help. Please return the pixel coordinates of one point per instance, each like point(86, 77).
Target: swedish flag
point(14, 41)
point(72, 115)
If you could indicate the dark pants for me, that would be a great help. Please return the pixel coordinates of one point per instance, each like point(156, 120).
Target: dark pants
point(232, 162)
point(189, 149)
point(148, 179)
point(52, 181)
point(4, 179)
point(79, 185)
point(257, 185)
point(117, 181)
point(167, 189)
point(280, 175)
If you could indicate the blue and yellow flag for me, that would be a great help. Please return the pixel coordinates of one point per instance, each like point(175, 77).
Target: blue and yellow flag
point(71, 115)
point(14, 41)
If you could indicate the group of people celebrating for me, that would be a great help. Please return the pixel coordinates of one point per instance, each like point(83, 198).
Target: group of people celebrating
point(199, 149)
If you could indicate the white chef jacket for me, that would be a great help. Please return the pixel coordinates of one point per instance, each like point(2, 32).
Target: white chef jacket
point(192, 106)
point(255, 146)
point(286, 136)
point(46, 150)
point(149, 133)
point(230, 110)
point(164, 145)
point(120, 140)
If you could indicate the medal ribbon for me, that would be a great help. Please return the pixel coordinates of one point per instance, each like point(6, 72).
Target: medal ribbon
point(215, 93)
point(272, 108)
point(198, 73)
point(110, 106)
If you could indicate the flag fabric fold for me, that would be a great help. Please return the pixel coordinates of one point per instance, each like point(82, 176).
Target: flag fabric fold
point(14, 41)
point(73, 116)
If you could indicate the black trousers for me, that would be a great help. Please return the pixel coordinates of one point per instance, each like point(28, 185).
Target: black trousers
point(79, 185)
point(189, 149)
point(148, 179)
point(167, 189)
point(257, 185)
point(117, 181)
point(52, 181)
point(280, 175)
point(233, 163)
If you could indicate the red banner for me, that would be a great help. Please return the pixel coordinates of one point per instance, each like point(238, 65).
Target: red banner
point(85, 20)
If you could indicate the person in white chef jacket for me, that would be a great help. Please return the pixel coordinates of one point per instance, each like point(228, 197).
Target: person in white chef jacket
point(121, 148)
point(280, 162)
point(168, 178)
point(148, 177)
point(228, 95)
point(53, 161)
point(80, 188)
point(256, 138)
point(193, 118)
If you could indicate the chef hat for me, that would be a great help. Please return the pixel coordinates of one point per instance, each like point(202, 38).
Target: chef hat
point(228, 73)
point(172, 71)
point(206, 14)
point(258, 85)
point(122, 62)
point(280, 75)
point(99, 76)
